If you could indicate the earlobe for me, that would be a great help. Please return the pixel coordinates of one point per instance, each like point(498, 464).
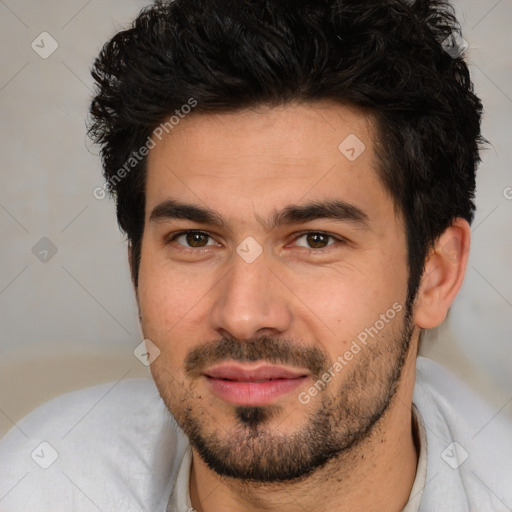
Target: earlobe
point(443, 275)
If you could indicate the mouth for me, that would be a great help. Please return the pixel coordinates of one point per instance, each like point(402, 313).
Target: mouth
point(253, 385)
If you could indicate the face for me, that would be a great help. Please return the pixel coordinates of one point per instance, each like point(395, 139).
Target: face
point(273, 282)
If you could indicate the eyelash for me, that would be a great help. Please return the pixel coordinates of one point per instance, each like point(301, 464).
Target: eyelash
point(181, 247)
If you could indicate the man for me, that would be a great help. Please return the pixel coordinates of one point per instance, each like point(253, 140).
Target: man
point(296, 182)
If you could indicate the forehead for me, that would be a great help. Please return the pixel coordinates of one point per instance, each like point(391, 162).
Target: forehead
point(266, 157)
point(293, 133)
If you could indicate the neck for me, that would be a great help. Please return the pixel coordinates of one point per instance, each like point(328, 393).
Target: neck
point(377, 474)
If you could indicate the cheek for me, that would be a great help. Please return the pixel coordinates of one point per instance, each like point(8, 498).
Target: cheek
point(343, 301)
point(174, 308)
point(166, 294)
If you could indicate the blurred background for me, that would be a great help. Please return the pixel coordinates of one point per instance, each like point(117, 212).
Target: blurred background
point(67, 313)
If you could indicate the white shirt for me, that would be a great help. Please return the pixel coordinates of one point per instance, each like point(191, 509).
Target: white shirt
point(115, 447)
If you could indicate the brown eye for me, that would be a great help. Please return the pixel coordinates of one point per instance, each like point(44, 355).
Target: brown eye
point(196, 239)
point(317, 240)
point(193, 239)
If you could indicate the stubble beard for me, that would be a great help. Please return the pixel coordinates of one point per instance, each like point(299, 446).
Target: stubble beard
point(254, 449)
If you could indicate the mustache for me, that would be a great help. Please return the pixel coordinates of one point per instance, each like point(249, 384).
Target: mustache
point(270, 350)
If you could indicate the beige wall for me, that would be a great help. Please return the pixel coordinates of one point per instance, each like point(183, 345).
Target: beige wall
point(71, 321)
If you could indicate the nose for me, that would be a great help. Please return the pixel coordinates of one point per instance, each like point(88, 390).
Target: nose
point(250, 302)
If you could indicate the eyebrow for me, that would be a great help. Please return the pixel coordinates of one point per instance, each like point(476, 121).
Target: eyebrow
point(291, 214)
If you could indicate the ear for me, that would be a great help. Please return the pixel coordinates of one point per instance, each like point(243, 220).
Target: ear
point(443, 275)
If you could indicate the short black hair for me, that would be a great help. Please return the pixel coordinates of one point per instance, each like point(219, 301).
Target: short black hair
point(393, 59)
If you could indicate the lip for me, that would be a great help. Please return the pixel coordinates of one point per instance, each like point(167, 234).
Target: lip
point(253, 385)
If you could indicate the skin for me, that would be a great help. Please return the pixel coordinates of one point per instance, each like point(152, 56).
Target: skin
point(245, 166)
